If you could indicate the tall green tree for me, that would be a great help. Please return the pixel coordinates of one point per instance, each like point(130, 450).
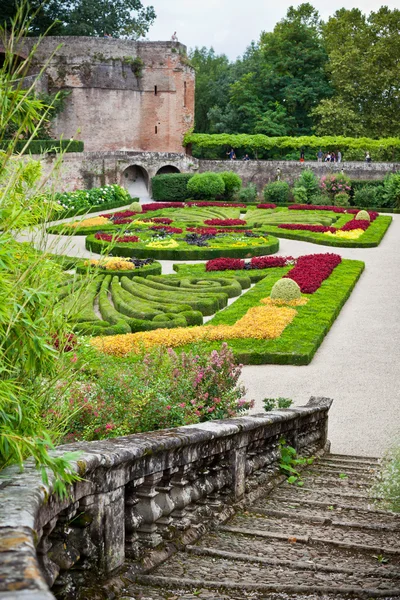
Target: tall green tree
point(364, 67)
point(127, 18)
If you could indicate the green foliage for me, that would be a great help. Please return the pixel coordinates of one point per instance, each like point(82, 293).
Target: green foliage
point(388, 483)
point(277, 192)
point(171, 187)
point(391, 192)
point(42, 146)
point(334, 184)
point(206, 185)
point(285, 289)
point(289, 463)
point(362, 215)
point(247, 194)
point(306, 187)
point(276, 403)
point(342, 199)
point(368, 197)
point(81, 200)
point(232, 183)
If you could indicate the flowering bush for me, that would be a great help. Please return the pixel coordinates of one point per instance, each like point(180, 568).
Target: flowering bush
point(333, 184)
point(112, 264)
point(300, 227)
point(166, 228)
point(266, 262)
point(312, 270)
point(162, 389)
point(125, 239)
point(81, 199)
point(266, 206)
point(223, 222)
point(225, 264)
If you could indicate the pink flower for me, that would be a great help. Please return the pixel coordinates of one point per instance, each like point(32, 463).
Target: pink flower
point(182, 405)
point(168, 407)
point(74, 358)
point(109, 426)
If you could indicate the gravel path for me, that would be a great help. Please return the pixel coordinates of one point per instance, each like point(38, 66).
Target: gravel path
point(357, 363)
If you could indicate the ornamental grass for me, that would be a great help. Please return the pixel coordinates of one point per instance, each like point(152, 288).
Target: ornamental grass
point(260, 322)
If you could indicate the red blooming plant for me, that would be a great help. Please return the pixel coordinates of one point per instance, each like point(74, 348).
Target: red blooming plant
point(162, 220)
point(300, 227)
point(66, 344)
point(120, 215)
point(214, 231)
point(166, 228)
point(159, 205)
point(223, 204)
point(225, 264)
point(266, 205)
point(267, 262)
point(225, 222)
point(312, 270)
point(355, 224)
point(124, 239)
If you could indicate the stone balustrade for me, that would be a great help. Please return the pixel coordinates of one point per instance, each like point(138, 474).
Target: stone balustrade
point(136, 493)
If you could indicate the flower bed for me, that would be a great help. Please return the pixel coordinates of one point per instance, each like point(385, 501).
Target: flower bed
point(314, 228)
point(259, 262)
point(312, 270)
point(123, 239)
point(224, 222)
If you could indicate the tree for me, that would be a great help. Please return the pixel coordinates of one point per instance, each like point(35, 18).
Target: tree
point(118, 18)
point(364, 68)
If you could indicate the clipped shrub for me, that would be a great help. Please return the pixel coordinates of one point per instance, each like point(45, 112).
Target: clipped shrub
point(320, 200)
point(367, 197)
point(171, 187)
point(248, 194)
point(206, 185)
point(232, 183)
point(362, 216)
point(391, 192)
point(342, 199)
point(135, 207)
point(277, 192)
point(285, 289)
point(308, 183)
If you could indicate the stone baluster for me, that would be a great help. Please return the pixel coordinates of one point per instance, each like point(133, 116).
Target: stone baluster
point(165, 503)
point(181, 497)
point(49, 568)
point(132, 519)
point(148, 509)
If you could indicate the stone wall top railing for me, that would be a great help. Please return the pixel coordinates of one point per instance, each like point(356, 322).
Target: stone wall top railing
point(136, 493)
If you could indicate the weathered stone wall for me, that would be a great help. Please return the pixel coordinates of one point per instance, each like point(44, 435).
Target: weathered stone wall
point(114, 102)
point(264, 171)
point(139, 492)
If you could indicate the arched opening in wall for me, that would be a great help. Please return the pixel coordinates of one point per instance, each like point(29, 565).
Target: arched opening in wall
point(135, 179)
point(167, 169)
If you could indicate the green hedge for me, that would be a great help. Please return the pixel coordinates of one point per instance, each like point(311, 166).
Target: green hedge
point(301, 338)
point(171, 187)
point(151, 269)
point(189, 253)
point(43, 146)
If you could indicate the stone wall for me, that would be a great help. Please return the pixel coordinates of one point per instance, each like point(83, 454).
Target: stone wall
point(124, 95)
point(138, 493)
point(264, 171)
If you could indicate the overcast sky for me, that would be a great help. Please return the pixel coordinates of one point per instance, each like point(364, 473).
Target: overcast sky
point(230, 25)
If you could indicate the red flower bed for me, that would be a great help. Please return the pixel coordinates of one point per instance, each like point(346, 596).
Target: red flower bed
point(336, 209)
point(266, 205)
point(214, 231)
point(314, 228)
point(225, 264)
point(167, 229)
point(355, 224)
point(224, 222)
point(311, 270)
point(120, 215)
point(267, 262)
point(224, 204)
point(159, 205)
point(163, 220)
point(122, 221)
point(106, 237)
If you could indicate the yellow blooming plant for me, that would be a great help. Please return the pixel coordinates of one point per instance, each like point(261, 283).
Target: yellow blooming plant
point(112, 264)
point(354, 234)
point(91, 222)
point(163, 244)
point(280, 302)
point(260, 322)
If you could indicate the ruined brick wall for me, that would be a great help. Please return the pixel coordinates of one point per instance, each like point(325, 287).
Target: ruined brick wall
point(124, 95)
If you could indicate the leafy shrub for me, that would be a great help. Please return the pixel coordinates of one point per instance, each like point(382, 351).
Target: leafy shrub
point(334, 184)
point(277, 192)
point(85, 199)
point(362, 216)
point(171, 187)
point(392, 190)
point(285, 289)
point(232, 183)
point(320, 200)
point(308, 182)
point(342, 199)
point(367, 196)
point(248, 194)
point(135, 207)
point(276, 403)
point(206, 185)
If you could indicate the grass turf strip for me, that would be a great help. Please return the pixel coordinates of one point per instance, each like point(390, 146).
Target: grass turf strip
point(301, 338)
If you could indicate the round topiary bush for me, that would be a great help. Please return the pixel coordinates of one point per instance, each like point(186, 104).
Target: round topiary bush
point(362, 215)
point(285, 289)
point(206, 185)
point(342, 199)
point(277, 192)
point(136, 207)
point(232, 183)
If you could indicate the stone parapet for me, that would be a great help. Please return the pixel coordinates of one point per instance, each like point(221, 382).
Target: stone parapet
point(136, 493)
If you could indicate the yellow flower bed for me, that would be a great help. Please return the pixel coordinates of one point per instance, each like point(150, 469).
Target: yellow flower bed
point(279, 302)
point(92, 222)
point(162, 244)
point(112, 264)
point(354, 234)
point(260, 322)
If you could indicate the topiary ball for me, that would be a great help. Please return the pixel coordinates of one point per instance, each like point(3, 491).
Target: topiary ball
point(136, 207)
point(362, 215)
point(285, 289)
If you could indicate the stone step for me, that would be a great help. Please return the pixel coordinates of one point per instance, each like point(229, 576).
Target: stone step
point(352, 458)
point(342, 494)
point(341, 476)
point(317, 554)
point(293, 508)
point(337, 470)
point(382, 541)
point(342, 464)
point(332, 483)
